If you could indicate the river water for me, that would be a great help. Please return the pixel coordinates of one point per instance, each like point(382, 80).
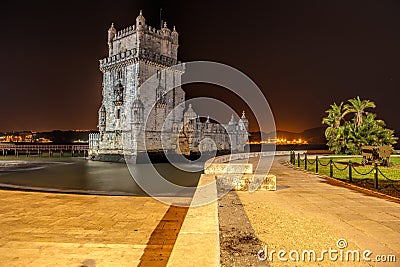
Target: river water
point(78, 175)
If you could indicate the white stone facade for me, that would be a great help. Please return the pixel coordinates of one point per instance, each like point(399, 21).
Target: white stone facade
point(131, 118)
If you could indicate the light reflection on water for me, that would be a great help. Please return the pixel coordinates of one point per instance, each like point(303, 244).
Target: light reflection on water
point(83, 176)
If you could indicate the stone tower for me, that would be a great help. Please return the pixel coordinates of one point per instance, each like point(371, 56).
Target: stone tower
point(135, 54)
point(135, 109)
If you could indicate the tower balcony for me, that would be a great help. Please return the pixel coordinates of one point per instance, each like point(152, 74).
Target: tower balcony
point(130, 56)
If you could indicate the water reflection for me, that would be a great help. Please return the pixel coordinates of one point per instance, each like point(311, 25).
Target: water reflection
point(82, 176)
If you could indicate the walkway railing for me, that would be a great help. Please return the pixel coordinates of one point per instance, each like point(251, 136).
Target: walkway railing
point(39, 149)
point(373, 177)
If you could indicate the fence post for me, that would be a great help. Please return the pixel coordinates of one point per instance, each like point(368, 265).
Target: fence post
point(294, 157)
point(376, 175)
point(305, 161)
point(298, 160)
point(316, 164)
point(350, 171)
point(331, 168)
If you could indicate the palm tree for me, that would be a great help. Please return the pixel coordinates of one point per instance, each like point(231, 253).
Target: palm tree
point(358, 107)
point(334, 119)
point(334, 133)
point(348, 137)
point(335, 116)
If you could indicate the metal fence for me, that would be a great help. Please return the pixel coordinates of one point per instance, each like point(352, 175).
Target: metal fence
point(378, 180)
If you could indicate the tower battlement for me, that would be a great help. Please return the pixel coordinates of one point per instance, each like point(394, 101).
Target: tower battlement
point(141, 36)
point(149, 29)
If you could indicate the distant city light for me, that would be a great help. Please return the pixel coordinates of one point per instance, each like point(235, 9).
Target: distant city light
point(280, 141)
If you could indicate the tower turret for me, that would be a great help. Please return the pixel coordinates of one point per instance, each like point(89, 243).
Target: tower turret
point(175, 41)
point(189, 117)
point(174, 36)
point(140, 22)
point(166, 32)
point(232, 121)
point(140, 26)
point(244, 122)
point(165, 47)
point(111, 34)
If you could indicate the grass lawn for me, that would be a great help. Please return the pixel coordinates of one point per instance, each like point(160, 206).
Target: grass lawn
point(341, 169)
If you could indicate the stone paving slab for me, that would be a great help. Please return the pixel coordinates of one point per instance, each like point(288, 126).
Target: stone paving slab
point(41, 229)
point(198, 240)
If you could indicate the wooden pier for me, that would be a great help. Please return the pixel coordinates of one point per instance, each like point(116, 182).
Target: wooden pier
point(44, 150)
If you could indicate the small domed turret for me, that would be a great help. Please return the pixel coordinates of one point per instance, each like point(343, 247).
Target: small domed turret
point(175, 36)
point(140, 21)
point(111, 33)
point(232, 121)
point(244, 122)
point(165, 30)
point(189, 115)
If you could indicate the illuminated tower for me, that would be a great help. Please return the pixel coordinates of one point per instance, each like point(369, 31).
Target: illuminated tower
point(132, 116)
point(135, 53)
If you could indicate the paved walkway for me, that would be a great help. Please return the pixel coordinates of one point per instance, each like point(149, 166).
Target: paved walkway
point(40, 229)
point(307, 213)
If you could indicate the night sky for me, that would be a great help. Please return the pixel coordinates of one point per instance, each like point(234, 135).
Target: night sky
point(304, 55)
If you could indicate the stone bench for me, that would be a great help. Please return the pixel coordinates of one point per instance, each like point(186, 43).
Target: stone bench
point(240, 177)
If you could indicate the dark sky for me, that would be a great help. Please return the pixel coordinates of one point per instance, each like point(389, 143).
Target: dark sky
point(304, 55)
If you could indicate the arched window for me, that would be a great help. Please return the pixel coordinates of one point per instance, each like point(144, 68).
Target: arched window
point(102, 117)
point(118, 114)
point(119, 94)
point(119, 74)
